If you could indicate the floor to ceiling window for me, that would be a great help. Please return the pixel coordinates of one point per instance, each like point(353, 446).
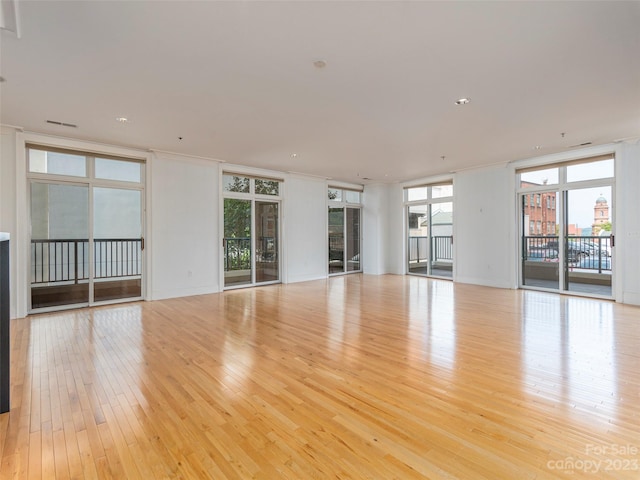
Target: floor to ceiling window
point(86, 217)
point(345, 230)
point(566, 225)
point(251, 243)
point(429, 215)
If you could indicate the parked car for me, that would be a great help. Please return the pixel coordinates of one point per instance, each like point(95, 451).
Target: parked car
point(595, 263)
point(597, 248)
point(576, 250)
point(542, 255)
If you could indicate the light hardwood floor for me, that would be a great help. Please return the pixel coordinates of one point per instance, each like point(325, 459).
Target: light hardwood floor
point(374, 377)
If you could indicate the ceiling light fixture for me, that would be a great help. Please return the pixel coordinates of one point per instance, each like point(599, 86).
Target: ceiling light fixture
point(463, 101)
point(319, 64)
point(537, 147)
point(122, 119)
point(294, 155)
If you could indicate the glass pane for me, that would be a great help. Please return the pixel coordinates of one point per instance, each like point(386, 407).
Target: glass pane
point(353, 239)
point(237, 242)
point(439, 191)
point(336, 240)
point(57, 163)
point(540, 248)
point(267, 187)
point(590, 171)
point(234, 183)
point(266, 234)
point(588, 247)
point(335, 194)
point(416, 193)
point(442, 239)
point(546, 176)
point(117, 232)
point(352, 196)
point(118, 170)
point(59, 245)
point(418, 247)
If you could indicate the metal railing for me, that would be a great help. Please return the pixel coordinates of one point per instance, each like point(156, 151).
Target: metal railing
point(584, 252)
point(441, 248)
point(237, 253)
point(336, 247)
point(67, 260)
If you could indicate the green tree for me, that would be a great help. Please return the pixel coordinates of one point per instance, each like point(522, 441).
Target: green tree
point(237, 218)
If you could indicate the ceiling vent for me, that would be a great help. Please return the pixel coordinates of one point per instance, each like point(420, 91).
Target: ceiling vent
point(62, 124)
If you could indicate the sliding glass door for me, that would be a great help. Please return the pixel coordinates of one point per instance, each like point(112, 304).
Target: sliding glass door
point(429, 220)
point(540, 233)
point(237, 242)
point(587, 263)
point(117, 243)
point(60, 247)
point(266, 228)
point(86, 229)
point(251, 242)
point(344, 226)
point(566, 227)
point(418, 239)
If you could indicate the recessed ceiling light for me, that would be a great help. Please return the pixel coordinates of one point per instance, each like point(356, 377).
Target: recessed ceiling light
point(537, 147)
point(294, 155)
point(122, 119)
point(463, 101)
point(319, 64)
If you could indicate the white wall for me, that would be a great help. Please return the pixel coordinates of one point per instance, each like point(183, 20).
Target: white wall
point(396, 252)
point(305, 229)
point(485, 225)
point(376, 213)
point(183, 237)
point(627, 225)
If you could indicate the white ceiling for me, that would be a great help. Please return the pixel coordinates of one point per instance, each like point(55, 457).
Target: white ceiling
point(236, 80)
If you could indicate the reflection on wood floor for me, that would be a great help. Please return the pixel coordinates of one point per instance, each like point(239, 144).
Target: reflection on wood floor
point(352, 377)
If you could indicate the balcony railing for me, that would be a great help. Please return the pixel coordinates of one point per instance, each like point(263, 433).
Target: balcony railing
point(67, 260)
point(237, 253)
point(441, 248)
point(588, 252)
